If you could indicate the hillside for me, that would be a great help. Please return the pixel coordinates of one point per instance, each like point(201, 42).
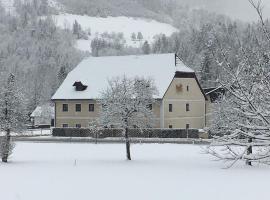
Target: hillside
point(126, 25)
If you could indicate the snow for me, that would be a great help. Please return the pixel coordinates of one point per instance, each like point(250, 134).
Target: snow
point(45, 109)
point(127, 25)
point(87, 171)
point(31, 132)
point(95, 72)
point(56, 5)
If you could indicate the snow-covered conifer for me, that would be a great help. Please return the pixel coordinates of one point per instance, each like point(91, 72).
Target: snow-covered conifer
point(12, 115)
point(146, 48)
point(139, 36)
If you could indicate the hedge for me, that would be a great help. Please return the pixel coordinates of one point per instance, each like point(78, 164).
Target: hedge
point(136, 133)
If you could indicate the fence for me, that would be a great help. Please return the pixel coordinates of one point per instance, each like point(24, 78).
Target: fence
point(133, 133)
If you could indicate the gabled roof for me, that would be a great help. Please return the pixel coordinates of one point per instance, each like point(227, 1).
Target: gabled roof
point(44, 110)
point(214, 93)
point(96, 71)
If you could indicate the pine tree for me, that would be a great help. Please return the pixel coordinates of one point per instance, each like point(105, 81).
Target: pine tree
point(62, 74)
point(133, 36)
point(146, 48)
point(12, 115)
point(139, 36)
point(205, 70)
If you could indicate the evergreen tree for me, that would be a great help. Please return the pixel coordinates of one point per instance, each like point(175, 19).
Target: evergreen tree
point(12, 115)
point(76, 29)
point(139, 36)
point(62, 74)
point(146, 48)
point(133, 36)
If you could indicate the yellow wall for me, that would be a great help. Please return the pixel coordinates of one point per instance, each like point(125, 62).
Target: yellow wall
point(72, 117)
point(85, 117)
point(179, 117)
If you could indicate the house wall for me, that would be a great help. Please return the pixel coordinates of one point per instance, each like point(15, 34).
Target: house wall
point(72, 117)
point(179, 117)
point(85, 117)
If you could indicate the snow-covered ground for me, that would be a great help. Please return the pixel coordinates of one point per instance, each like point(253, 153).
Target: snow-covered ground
point(158, 172)
point(127, 25)
point(32, 132)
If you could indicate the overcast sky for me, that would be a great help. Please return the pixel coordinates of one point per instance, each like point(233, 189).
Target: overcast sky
point(238, 9)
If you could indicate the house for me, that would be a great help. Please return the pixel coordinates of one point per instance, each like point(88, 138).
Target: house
point(43, 116)
point(181, 102)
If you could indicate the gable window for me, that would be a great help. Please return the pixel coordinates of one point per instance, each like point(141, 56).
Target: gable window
point(170, 107)
point(65, 108)
point(78, 125)
point(78, 108)
point(187, 107)
point(65, 125)
point(91, 107)
point(170, 126)
point(187, 126)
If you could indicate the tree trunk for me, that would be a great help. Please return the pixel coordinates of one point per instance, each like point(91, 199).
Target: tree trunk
point(6, 146)
point(249, 151)
point(127, 144)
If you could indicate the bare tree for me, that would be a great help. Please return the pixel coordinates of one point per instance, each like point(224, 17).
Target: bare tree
point(241, 123)
point(126, 104)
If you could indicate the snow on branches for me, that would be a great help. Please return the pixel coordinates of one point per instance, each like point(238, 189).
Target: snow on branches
point(12, 114)
point(241, 119)
point(127, 103)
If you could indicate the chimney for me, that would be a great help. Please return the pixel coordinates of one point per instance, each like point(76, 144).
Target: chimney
point(79, 86)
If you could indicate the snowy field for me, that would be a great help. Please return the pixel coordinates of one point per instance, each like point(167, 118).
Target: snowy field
point(126, 25)
point(31, 132)
point(158, 172)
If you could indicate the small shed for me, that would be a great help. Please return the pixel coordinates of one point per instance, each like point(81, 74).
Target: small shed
point(43, 116)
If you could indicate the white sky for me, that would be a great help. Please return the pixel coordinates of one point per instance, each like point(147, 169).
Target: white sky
point(237, 9)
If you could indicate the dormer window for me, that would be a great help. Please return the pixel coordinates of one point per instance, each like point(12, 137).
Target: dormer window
point(79, 86)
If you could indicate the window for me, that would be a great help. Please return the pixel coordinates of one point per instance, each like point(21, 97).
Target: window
point(91, 107)
point(170, 107)
point(187, 88)
point(187, 126)
point(65, 125)
point(150, 106)
point(78, 125)
point(187, 107)
point(170, 126)
point(78, 107)
point(65, 107)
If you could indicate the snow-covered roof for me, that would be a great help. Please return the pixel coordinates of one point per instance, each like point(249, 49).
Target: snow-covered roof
point(46, 109)
point(95, 72)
